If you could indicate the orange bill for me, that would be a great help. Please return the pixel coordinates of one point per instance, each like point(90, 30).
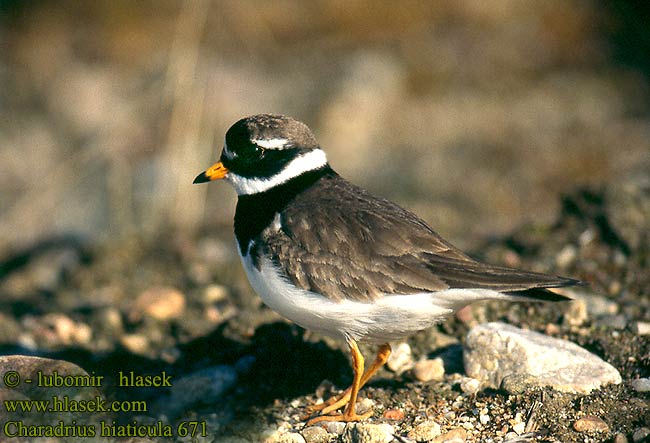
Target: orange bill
point(214, 172)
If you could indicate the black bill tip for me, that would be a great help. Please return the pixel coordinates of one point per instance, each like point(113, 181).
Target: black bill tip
point(201, 178)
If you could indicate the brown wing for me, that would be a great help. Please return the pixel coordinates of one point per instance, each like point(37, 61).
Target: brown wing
point(340, 241)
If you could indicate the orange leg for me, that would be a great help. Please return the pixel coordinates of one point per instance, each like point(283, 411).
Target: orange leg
point(343, 398)
point(349, 396)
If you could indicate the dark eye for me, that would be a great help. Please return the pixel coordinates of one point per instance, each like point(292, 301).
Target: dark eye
point(253, 152)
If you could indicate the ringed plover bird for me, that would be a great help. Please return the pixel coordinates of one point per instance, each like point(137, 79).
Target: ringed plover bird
point(335, 259)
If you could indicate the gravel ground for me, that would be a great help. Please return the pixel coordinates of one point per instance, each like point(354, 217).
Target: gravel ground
point(181, 305)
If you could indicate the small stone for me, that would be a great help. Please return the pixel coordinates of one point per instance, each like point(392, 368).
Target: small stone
point(458, 435)
point(110, 322)
point(641, 384)
point(620, 438)
point(641, 327)
point(617, 322)
point(161, 303)
point(551, 329)
point(590, 423)
point(364, 405)
point(394, 414)
point(640, 435)
point(516, 384)
point(135, 343)
point(470, 385)
point(576, 315)
point(628, 208)
point(288, 437)
point(597, 305)
point(519, 428)
point(214, 294)
point(400, 359)
point(428, 370)
point(496, 350)
point(425, 431)
point(335, 427)
point(368, 433)
point(316, 434)
point(466, 316)
point(484, 419)
point(566, 256)
point(205, 385)
point(67, 330)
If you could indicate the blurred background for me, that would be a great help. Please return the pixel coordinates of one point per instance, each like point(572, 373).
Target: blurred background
point(477, 115)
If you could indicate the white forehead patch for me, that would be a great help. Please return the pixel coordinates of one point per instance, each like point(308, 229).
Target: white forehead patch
point(273, 143)
point(307, 162)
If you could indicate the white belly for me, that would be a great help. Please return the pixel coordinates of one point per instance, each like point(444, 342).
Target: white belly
point(390, 317)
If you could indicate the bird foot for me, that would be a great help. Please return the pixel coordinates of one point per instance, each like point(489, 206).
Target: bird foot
point(345, 417)
point(332, 404)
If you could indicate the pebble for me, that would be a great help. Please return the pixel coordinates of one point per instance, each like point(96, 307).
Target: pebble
point(597, 305)
point(519, 428)
point(231, 439)
point(496, 350)
point(368, 433)
point(590, 423)
point(620, 438)
point(641, 328)
point(470, 385)
point(214, 293)
point(628, 208)
point(516, 384)
point(640, 434)
point(394, 414)
point(425, 431)
point(316, 434)
point(160, 303)
point(576, 314)
point(458, 435)
point(400, 359)
point(428, 370)
point(641, 384)
point(364, 405)
point(335, 427)
point(68, 331)
point(566, 256)
point(288, 437)
point(206, 385)
point(617, 322)
point(135, 343)
point(108, 321)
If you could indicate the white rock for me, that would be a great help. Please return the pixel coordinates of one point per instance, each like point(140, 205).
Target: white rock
point(519, 428)
point(400, 359)
point(428, 370)
point(470, 385)
point(495, 350)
